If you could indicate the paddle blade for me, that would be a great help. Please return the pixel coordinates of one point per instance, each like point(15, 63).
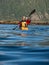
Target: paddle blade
point(14, 28)
point(33, 11)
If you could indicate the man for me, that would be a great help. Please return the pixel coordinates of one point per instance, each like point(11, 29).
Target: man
point(25, 19)
point(23, 23)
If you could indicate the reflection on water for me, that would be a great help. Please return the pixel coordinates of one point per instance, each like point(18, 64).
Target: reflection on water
point(19, 47)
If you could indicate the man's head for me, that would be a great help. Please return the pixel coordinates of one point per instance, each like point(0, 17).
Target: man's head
point(23, 18)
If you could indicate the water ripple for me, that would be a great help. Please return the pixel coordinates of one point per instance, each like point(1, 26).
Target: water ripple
point(19, 47)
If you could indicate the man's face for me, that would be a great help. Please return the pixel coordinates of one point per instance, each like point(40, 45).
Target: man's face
point(23, 18)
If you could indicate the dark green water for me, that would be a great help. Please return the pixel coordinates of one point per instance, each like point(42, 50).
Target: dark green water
point(35, 51)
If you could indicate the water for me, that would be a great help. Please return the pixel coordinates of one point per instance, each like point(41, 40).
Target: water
point(19, 47)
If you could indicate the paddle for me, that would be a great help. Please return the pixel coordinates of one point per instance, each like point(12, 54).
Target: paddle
point(33, 11)
point(14, 28)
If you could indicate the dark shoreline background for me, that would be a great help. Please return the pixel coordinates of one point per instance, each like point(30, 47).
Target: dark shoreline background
point(15, 9)
point(33, 22)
